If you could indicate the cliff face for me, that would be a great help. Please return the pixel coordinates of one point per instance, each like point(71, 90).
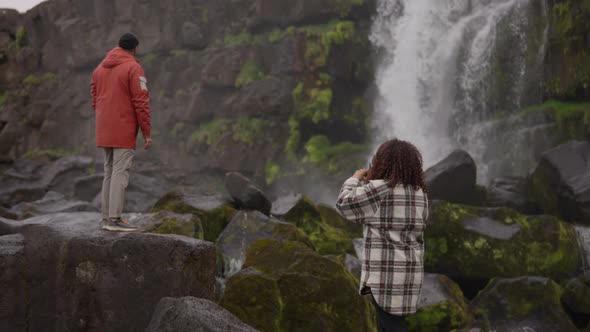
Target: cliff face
point(567, 64)
point(234, 83)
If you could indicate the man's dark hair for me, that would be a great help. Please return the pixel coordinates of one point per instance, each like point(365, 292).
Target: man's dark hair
point(128, 41)
point(399, 163)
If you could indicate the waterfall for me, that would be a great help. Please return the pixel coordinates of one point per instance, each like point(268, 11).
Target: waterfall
point(583, 236)
point(447, 67)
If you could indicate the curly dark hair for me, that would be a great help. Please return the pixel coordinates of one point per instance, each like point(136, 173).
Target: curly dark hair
point(398, 162)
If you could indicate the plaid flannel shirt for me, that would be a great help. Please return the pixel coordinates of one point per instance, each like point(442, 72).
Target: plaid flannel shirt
point(393, 222)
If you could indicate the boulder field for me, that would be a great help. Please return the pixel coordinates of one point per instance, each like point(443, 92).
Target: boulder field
point(217, 259)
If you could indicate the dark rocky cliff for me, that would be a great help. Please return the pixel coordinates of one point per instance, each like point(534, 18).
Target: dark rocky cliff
point(259, 86)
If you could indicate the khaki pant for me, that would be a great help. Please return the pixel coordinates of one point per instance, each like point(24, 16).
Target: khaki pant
point(117, 163)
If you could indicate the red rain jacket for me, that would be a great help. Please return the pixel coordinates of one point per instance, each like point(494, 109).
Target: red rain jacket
point(120, 100)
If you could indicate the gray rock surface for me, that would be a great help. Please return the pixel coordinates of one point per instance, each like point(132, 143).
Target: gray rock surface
point(189, 314)
point(52, 202)
point(30, 180)
point(490, 227)
point(80, 278)
point(246, 194)
point(12, 265)
point(508, 192)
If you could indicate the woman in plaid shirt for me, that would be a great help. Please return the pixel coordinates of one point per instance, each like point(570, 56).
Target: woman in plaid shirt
point(389, 200)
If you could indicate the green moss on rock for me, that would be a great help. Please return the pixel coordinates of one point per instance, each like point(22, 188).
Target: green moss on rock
point(255, 298)
point(327, 239)
point(213, 219)
point(523, 299)
point(543, 245)
point(250, 72)
point(331, 217)
point(172, 226)
point(452, 313)
point(572, 119)
point(315, 293)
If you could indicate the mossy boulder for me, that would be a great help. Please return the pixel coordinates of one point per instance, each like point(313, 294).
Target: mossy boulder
point(286, 286)
point(560, 184)
point(245, 228)
point(524, 302)
point(576, 295)
point(441, 306)
point(471, 243)
point(214, 211)
point(302, 212)
point(165, 222)
point(331, 217)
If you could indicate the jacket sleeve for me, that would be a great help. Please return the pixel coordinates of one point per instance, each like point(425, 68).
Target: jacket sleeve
point(93, 91)
point(140, 99)
point(356, 201)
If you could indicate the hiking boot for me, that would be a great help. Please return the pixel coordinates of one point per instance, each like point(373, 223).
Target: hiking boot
point(104, 222)
point(119, 225)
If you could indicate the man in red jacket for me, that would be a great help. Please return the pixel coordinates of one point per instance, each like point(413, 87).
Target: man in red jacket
point(121, 103)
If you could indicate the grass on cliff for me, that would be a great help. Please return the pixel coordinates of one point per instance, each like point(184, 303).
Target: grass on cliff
point(572, 118)
point(250, 72)
point(249, 131)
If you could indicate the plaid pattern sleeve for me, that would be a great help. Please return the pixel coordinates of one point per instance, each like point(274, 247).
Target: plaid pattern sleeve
point(356, 201)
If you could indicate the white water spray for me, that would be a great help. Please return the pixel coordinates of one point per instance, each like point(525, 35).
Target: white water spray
point(437, 78)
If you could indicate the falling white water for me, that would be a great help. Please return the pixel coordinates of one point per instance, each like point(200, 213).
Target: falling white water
point(435, 76)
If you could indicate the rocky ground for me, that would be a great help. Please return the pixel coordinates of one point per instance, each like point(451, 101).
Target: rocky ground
point(507, 257)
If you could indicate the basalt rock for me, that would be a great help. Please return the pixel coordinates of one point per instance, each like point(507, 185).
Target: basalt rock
point(214, 210)
point(52, 202)
point(302, 212)
point(460, 237)
point(60, 272)
point(560, 184)
point(190, 314)
point(246, 228)
point(454, 180)
point(246, 194)
point(287, 286)
point(441, 306)
point(524, 303)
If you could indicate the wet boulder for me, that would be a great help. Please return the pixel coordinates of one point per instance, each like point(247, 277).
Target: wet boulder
point(246, 228)
point(52, 202)
point(246, 195)
point(508, 192)
point(454, 180)
point(441, 306)
point(460, 238)
point(303, 213)
point(524, 303)
point(78, 277)
point(576, 295)
point(288, 286)
point(214, 210)
point(560, 184)
point(190, 314)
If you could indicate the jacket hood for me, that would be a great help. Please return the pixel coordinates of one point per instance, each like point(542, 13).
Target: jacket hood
point(117, 56)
